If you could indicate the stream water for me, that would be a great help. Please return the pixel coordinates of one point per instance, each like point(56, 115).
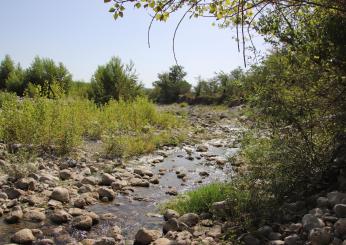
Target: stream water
point(140, 209)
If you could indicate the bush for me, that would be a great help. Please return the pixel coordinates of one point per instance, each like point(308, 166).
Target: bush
point(114, 81)
point(51, 79)
point(170, 86)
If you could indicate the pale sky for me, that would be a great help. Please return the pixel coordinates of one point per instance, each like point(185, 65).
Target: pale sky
point(82, 35)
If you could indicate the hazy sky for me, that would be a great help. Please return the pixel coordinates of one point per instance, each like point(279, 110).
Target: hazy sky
point(82, 35)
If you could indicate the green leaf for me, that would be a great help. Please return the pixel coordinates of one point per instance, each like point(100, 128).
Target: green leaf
point(106, 1)
point(112, 9)
point(138, 5)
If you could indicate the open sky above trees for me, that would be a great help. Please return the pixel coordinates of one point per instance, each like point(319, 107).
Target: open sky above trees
point(82, 35)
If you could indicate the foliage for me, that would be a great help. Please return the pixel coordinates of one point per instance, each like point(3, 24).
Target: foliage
point(114, 81)
point(61, 125)
point(6, 68)
point(297, 97)
point(51, 80)
point(79, 89)
point(223, 88)
point(171, 85)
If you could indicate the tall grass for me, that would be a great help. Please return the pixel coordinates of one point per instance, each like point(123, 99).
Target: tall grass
point(62, 124)
point(201, 199)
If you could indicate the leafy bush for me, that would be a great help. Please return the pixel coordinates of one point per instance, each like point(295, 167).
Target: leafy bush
point(170, 86)
point(114, 81)
point(52, 80)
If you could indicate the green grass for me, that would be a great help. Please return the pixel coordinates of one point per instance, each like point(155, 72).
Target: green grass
point(61, 125)
point(201, 199)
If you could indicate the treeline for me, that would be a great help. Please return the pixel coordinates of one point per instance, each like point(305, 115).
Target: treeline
point(118, 81)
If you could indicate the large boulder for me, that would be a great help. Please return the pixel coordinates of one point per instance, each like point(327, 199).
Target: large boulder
point(26, 184)
point(318, 236)
point(169, 214)
point(15, 215)
point(35, 216)
point(60, 216)
point(13, 193)
point(336, 197)
point(65, 174)
point(340, 210)
point(190, 219)
point(107, 179)
point(340, 227)
point(105, 192)
point(83, 222)
point(310, 222)
point(60, 194)
point(23, 236)
point(145, 237)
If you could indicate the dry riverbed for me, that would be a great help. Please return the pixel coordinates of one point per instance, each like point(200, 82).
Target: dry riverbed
point(87, 199)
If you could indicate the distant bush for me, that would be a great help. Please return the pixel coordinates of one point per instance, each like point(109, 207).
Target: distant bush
point(170, 86)
point(51, 79)
point(114, 81)
point(79, 89)
point(223, 88)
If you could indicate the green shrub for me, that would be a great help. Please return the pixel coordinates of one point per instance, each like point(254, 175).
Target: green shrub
point(201, 199)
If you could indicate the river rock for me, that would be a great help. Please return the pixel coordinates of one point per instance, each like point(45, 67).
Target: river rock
point(82, 222)
point(139, 182)
point(35, 216)
point(107, 179)
point(13, 193)
point(319, 236)
point(65, 174)
point(249, 239)
point(23, 236)
point(60, 216)
point(202, 148)
point(118, 184)
point(190, 219)
point(105, 241)
point(79, 202)
point(105, 192)
point(162, 241)
point(15, 215)
point(26, 184)
point(292, 240)
point(340, 210)
point(335, 197)
point(45, 242)
point(310, 221)
point(60, 194)
point(143, 172)
point(170, 213)
point(145, 237)
point(95, 218)
point(172, 191)
point(340, 227)
point(171, 225)
point(90, 180)
point(322, 202)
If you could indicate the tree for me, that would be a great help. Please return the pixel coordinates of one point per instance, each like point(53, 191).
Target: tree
point(48, 76)
point(242, 14)
point(171, 85)
point(15, 81)
point(6, 68)
point(114, 81)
